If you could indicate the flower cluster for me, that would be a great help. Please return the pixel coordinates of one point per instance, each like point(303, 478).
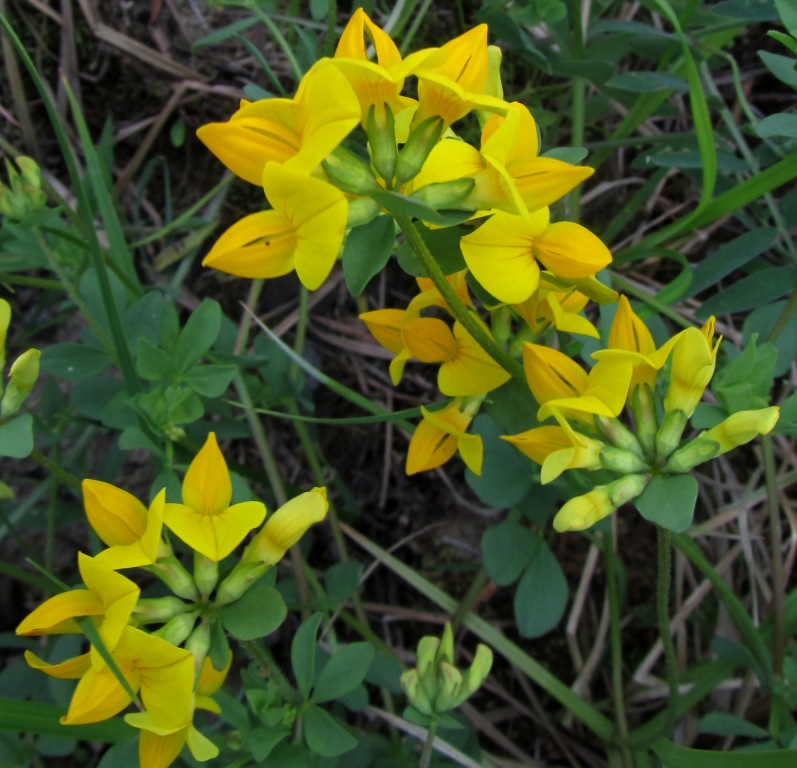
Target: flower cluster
point(171, 671)
point(586, 407)
point(529, 273)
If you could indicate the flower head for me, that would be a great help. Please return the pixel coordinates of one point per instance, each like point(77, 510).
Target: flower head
point(205, 520)
point(442, 433)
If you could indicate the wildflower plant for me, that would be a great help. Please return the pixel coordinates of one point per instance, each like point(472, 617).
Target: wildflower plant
point(562, 398)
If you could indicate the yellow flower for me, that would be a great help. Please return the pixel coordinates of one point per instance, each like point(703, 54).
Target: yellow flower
point(550, 306)
point(466, 369)
point(109, 596)
point(286, 526)
point(504, 254)
point(630, 339)
point(693, 358)
point(303, 231)
point(441, 434)
point(160, 746)
point(376, 84)
point(160, 672)
point(584, 511)
point(205, 520)
point(561, 386)
point(557, 449)
point(298, 133)
point(130, 530)
point(451, 88)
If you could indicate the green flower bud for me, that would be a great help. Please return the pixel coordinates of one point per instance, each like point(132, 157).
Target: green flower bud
point(177, 629)
point(25, 195)
point(477, 673)
point(349, 173)
point(643, 404)
point(171, 572)
point(690, 455)
point(619, 435)
point(5, 320)
point(445, 195)
point(153, 610)
point(668, 438)
point(380, 127)
point(206, 574)
point(621, 461)
point(410, 684)
point(448, 696)
point(238, 581)
point(361, 211)
point(198, 643)
point(22, 377)
point(421, 141)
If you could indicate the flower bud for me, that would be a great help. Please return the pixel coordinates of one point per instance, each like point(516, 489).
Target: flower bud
point(177, 629)
point(5, 320)
point(206, 574)
point(25, 195)
point(349, 173)
point(668, 438)
point(361, 211)
point(584, 511)
point(380, 127)
point(410, 684)
point(621, 461)
point(286, 526)
point(444, 195)
point(643, 405)
point(619, 435)
point(22, 377)
point(420, 143)
point(198, 644)
point(238, 581)
point(171, 572)
point(153, 610)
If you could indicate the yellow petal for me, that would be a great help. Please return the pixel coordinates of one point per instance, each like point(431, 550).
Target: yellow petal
point(71, 669)
point(570, 250)
point(551, 374)
point(99, 696)
point(260, 245)
point(430, 447)
point(156, 751)
point(429, 339)
point(207, 488)
point(116, 516)
point(385, 327)
point(540, 442)
point(56, 615)
point(471, 370)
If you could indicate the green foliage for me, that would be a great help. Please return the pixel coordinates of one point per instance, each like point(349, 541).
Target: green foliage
point(669, 502)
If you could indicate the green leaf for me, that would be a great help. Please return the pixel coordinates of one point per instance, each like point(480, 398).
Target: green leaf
point(402, 205)
point(507, 549)
point(762, 321)
point(73, 362)
point(303, 653)
point(261, 741)
point(541, 595)
point(507, 475)
point(674, 756)
point(646, 82)
point(788, 15)
point(669, 502)
point(730, 256)
point(726, 724)
point(572, 155)
point(777, 125)
point(199, 333)
point(121, 755)
point(782, 67)
point(343, 672)
point(153, 363)
point(341, 581)
point(745, 382)
point(752, 291)
point(16, 437)
point(256, 614)
point(366, 252)
point(444, 245)
point(787, 423)
point(324, 735)
point(210, 380)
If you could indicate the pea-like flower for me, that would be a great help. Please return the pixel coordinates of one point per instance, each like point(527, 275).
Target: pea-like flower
point(205, 520)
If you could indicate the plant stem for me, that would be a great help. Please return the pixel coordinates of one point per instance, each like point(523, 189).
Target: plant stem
point(663, 611)
point(270, 669)
point(428, 747)
point(459, 310)
point(56, 470)
point(612, 592)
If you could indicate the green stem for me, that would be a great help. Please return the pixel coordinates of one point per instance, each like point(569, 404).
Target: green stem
point(428, 747)
point(747, 630)
point(331, 35)
point(467, 602)
point(612, 592)
point(459, 310)
point(56, 470)
point(663, 611)
point(270, 670)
